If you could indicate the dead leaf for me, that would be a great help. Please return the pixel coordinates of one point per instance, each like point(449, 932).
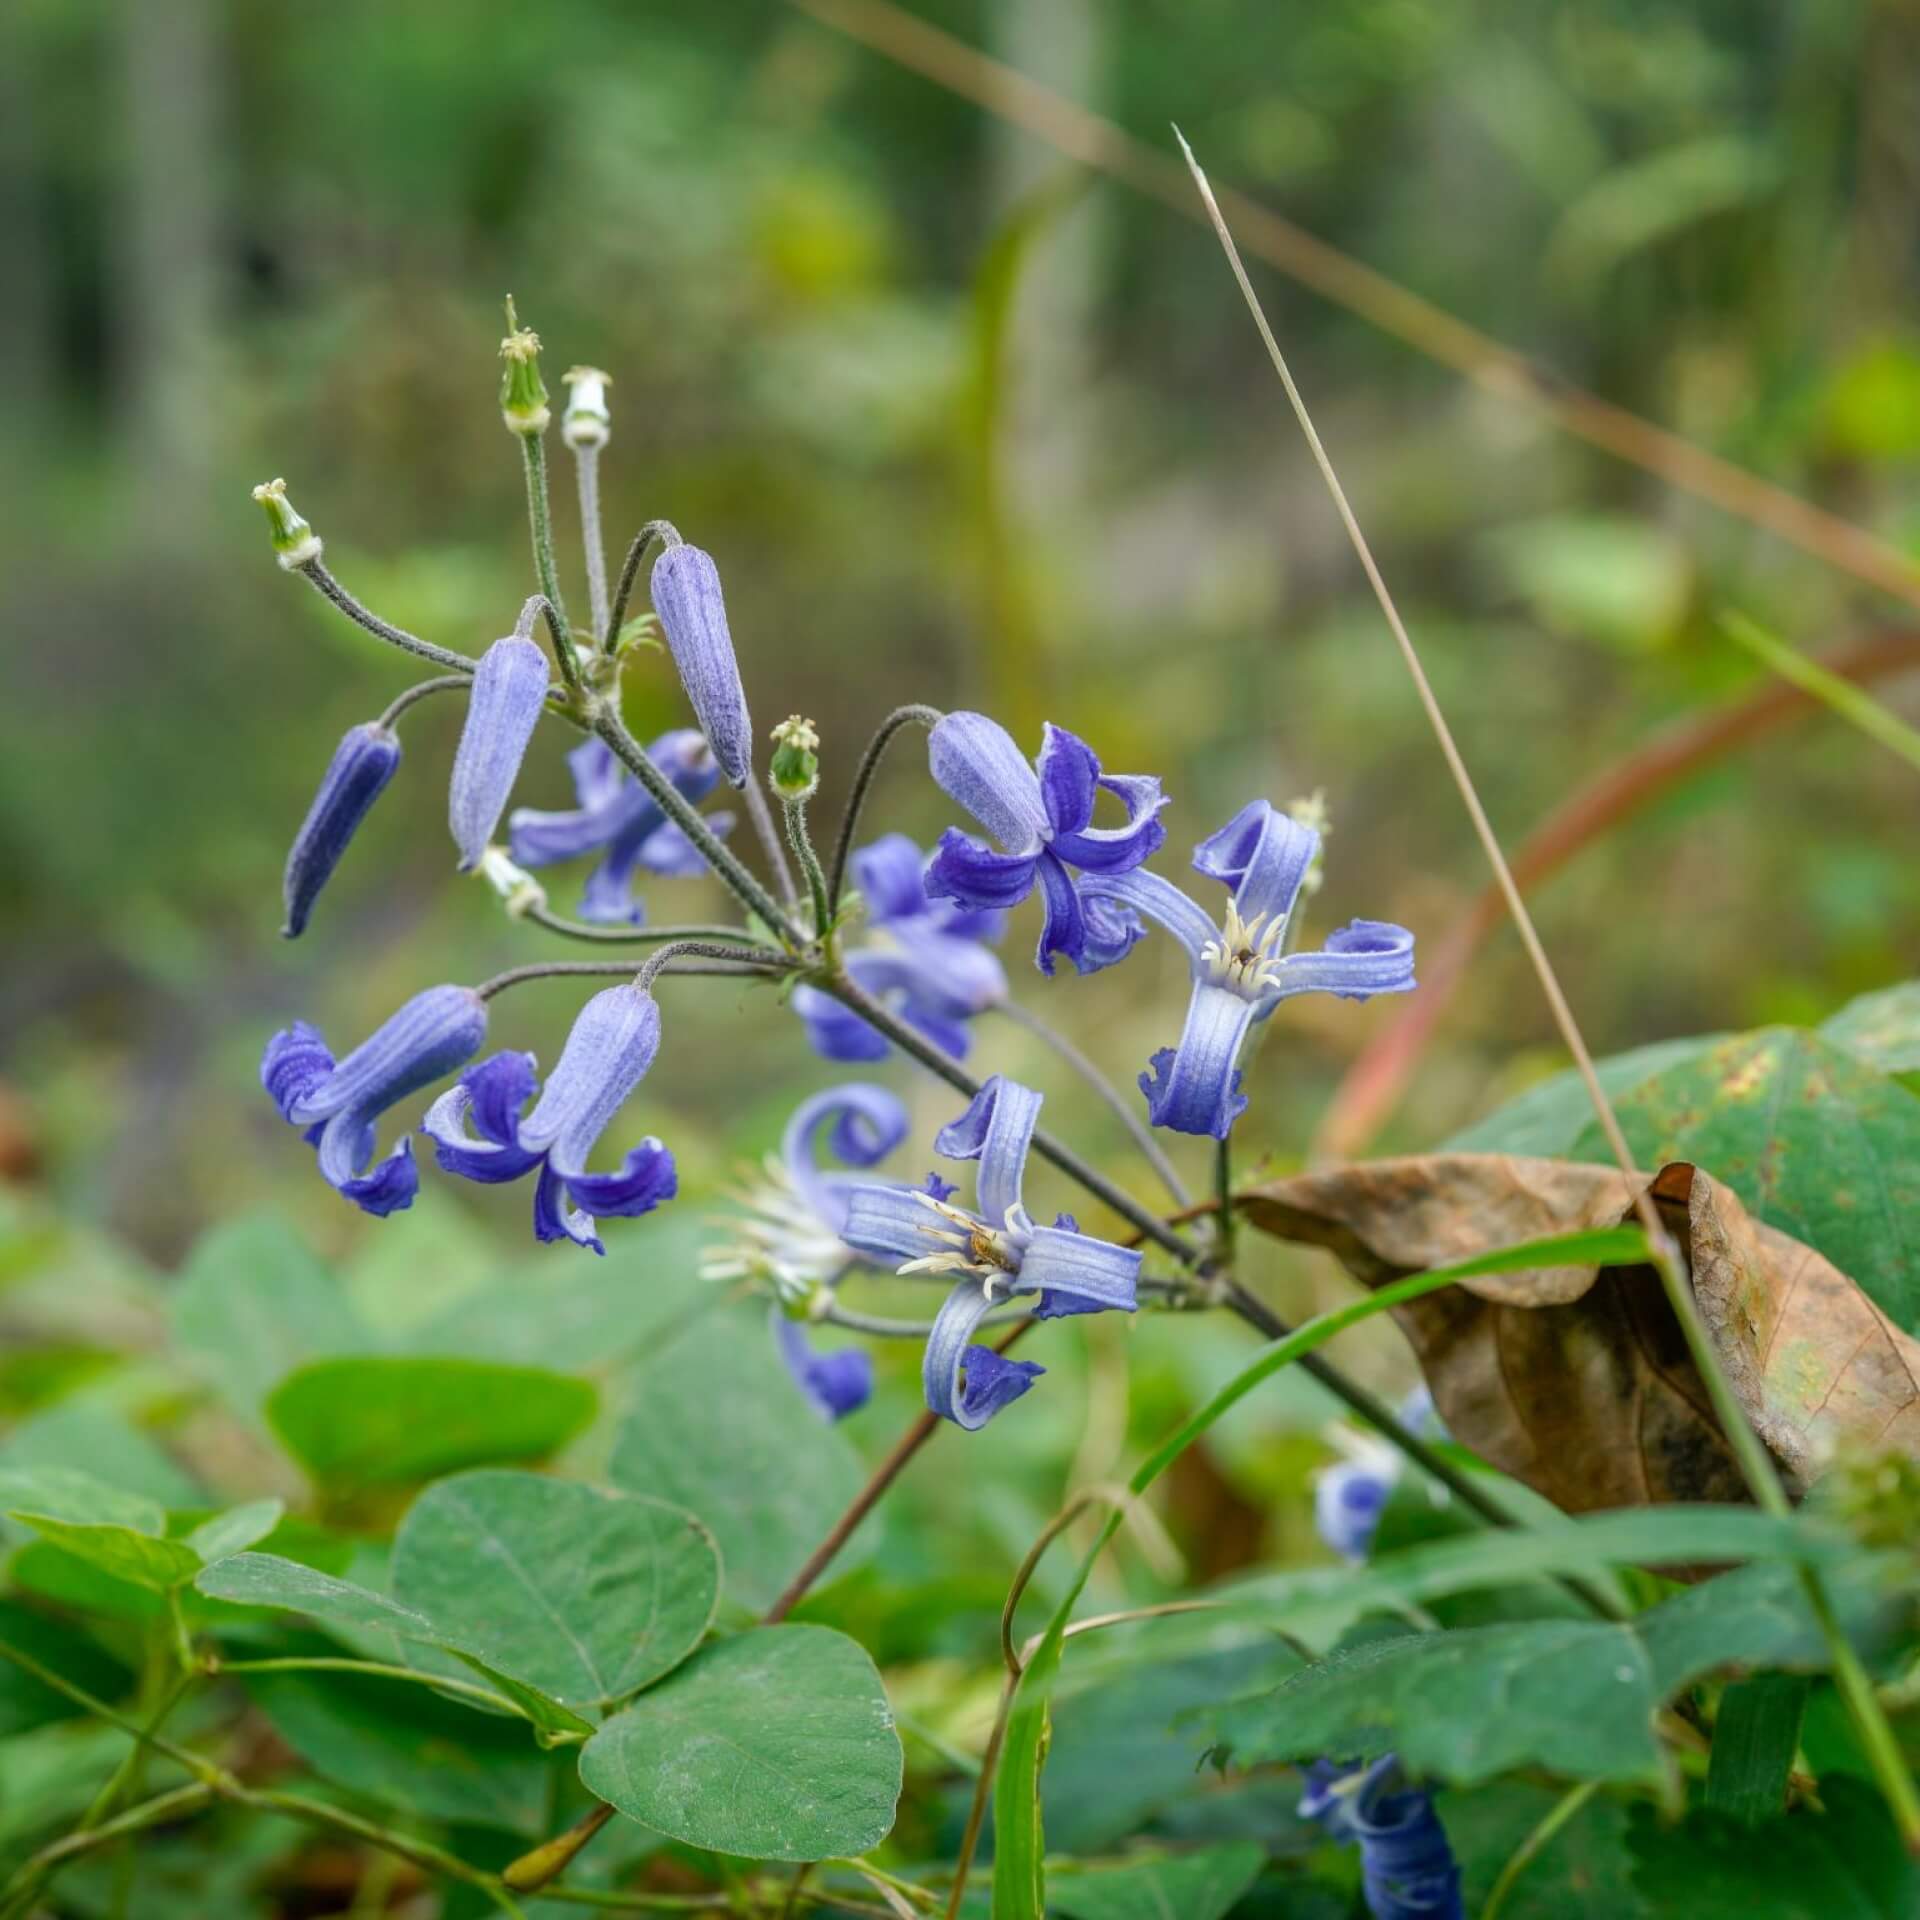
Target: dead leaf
point(1576, 1380)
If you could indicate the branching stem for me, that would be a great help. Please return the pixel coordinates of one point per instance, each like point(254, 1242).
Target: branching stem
point(876, 751)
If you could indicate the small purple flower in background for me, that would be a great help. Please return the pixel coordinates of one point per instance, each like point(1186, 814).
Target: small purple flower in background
point(1042, 816)
point(1407, 1867)
point(338, 1103)
point(693, 616)
point(1241, 969)
point(355, 778)
point(925, 960)
point(509, 689)
point(1350, 1495)
point(790, 1236)
point(621, 821)
point(606, 1056)
point(997, 1252)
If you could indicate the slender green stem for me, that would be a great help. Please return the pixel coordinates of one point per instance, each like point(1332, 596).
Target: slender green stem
point(586, 467)
point(103, 1801)
point(1137, 1129)
point(33, 1874)
point(734, 963)
point(802, 843)
point(876, 751)
point(1535, 1844)
point(317, 574)
point(755, 796)
point(325, 1663)
point(1223, 1200)
point(1853, 704)
point(194, 1764)
point(675, 953)
point(609, 727)
point(669, 536)
point(423, 690)
point(635, 936)
point(533, 453)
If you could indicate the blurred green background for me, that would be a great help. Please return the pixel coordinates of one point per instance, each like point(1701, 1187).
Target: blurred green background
point(962, 424)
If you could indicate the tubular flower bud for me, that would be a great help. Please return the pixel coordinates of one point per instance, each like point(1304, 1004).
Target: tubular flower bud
point(355, 778)
point(517, 887)
point(509, 690)
point(686, 596)
point(523, 394)
point(796, 761)
point(295, 544)
point(586, 422)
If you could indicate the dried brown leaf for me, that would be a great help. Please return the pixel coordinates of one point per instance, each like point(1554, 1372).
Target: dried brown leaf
point(1577, 1380)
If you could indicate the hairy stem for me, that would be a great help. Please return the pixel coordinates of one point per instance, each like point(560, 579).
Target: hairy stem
point(669, 536)
point(533, 454)
point(317, 574)
point(734, 962)
point(802, 843)
point(422, 690)
point(876, 751)
point(635, 936)
point(755, 795)
point(586, 467)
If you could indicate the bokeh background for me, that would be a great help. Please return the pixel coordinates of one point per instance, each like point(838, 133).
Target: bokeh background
point(964, 423)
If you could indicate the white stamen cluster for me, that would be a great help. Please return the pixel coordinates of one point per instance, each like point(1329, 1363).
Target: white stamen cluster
point(1245, 959)
point(781, 1242)
point(968, 1245)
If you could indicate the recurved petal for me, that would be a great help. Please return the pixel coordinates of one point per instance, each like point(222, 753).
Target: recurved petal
point(1161, 901)
point(295, 1062)
point(1074, 1263)
point(489, 1097)
point(1195, 1087)
point(356, 776)
point(646, 1179)
point(432, 1034)
point(509, 689)
point(388, 1187)
point(862, 1125)
point(1361, 959)
point(835, 1384)
point(893, 1225)
point(1119, 849)
point(974, 875)
point(611, 1046)
point(1063, 925)
point(555, 1218)
point(996, 1129)
point(1069, 778)
point(891, 876)
point(836, 1032)
point(1263, 855)
point(693, 616)
point(964, 1383)
point(976, 762)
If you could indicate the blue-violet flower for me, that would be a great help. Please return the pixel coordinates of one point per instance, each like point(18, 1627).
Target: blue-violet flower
point(997, 1253)
point(1042, 816)
point(338, 1103)
point(622, 822)
point(606, 1056)
point(925, 960)
point(509, 689)
point(1407, 1867)
point(693, 616)
point(1241, 969)
point(356, 776)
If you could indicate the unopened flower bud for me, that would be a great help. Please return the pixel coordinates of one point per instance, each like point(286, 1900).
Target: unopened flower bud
point(515, 885)
point(586, 422)
point(523, 394)
point(796, 763)
point(362, 765)
point(294, 542)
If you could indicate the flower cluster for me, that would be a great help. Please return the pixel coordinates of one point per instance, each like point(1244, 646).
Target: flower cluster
point(901, 963)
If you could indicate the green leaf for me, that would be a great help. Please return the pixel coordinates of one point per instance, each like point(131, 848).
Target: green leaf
point(1755, 1735)
point(120, 1551)
point(1844, 1863)
point(1582, 1873)
point(1471, 1704)
point(777, 1745)
point(584, 1593)
point(266, 1580)
point(65, 1493)
point(1814, 1142)
point(1882, 1028)
point(236, 1529)
point(253, 1304)
point(554, 1725)
point(1191, 1886)
point(1546, 1120)
point(103, 1442)
point(118, 1533)
point(718, 1428)
point(390, 1419)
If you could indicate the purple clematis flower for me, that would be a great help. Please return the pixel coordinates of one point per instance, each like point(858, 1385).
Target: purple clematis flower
point(509, 689)
point(791, 1235)
point(1042, 816)
point(606, 1056)
point(1407, 1867)
point(1241, 971)
point(693, 616)
point(338, 1103)
point(357, 775)
point(1350, 1495)
point(925, 961)
point(619, 820)
point(997, 1252)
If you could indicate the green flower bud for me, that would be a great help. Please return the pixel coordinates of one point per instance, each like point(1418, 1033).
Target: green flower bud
point(586, 422)
point(523, 394)
point(796, 764)
point(294, 542)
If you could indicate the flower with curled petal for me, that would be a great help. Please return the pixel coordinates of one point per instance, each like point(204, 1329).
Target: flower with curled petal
point(339, 1102)
point(1407, 1867)
point(606, 1056)
point(1042, 816)
point(994, 1251)
point(1241, 967)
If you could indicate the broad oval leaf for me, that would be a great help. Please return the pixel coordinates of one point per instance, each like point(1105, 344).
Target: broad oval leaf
point(389, 1419)
point(266, 1580)
point(586, 1593)
point(776, 1745)
point(120, 1551)
point(236, 1529)
point(65, 1493)
point(1882, 1028)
